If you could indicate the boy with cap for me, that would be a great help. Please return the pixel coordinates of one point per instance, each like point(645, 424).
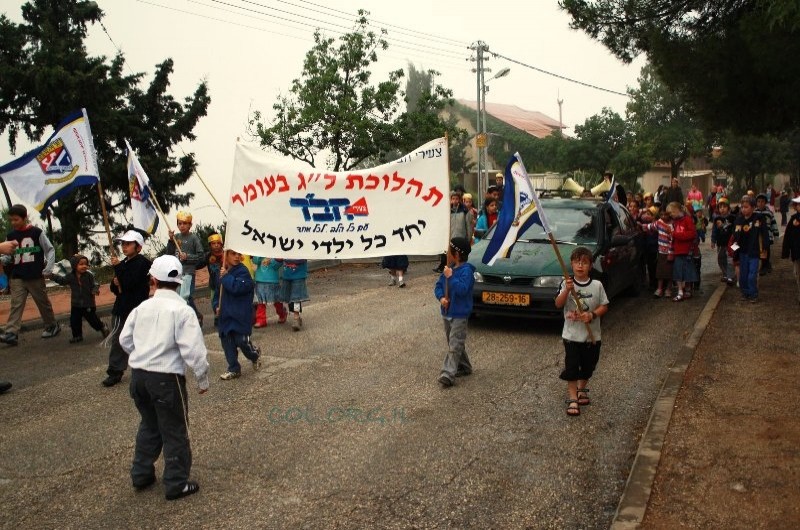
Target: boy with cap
point(31, 263)
point(190, 253)
point(163, 337)
point(236, 315)
point(454, 292)
point(791, 243)
point(131, 287)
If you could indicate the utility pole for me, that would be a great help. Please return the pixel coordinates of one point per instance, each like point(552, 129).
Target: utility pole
point(480, 47)
point(560, 121)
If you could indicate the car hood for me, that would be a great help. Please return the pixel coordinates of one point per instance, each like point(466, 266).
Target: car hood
point(527, 259)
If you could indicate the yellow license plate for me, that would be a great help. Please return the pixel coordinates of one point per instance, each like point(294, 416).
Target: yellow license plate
point(489, 297)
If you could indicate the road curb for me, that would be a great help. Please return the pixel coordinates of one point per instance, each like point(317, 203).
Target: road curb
point(203, 291)
point(636, 495)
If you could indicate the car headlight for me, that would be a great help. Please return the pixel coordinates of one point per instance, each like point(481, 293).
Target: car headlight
point(478, 277)
point(548, 281)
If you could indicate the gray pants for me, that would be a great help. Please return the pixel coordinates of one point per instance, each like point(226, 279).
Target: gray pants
point(725, 262)
point(19, 296)
point(117, 357)
point(162, 403)
point(457, 360)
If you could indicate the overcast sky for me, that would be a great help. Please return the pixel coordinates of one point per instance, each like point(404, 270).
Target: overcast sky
point(249, 51)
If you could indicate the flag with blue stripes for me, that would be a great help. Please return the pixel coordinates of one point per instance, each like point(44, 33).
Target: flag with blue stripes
point(53, 170)
point(521, 209)
point(145, 217)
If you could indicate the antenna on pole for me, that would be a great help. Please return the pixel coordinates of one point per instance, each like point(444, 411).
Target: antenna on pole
point(560, 121)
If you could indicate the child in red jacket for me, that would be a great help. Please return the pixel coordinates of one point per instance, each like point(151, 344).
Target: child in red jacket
point(684, 236)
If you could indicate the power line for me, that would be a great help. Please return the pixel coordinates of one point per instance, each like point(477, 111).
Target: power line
point(428, 49)
point(445, 40)
point(499, 56)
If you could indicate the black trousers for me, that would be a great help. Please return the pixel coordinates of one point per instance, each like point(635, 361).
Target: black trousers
point(76, 316)
point(162, 403)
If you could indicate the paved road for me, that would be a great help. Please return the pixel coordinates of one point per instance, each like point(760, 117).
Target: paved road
point(346, 426)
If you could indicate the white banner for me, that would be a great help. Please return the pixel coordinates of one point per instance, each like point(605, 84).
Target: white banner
point(280, 209)
point(55, 169)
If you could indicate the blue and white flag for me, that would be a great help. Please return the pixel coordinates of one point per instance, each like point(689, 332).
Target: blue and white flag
point(145, 217)
point(521, 209)
point(65, 161)
point(612, 198)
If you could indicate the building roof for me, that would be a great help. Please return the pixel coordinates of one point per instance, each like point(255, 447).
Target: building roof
point(532, 122)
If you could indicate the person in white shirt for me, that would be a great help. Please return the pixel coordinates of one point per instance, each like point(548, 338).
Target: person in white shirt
point(163, 337)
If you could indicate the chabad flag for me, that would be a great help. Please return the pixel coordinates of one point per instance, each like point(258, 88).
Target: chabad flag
point(145, 217)
point(521, 209)
point(280, 208)
point(47, 173)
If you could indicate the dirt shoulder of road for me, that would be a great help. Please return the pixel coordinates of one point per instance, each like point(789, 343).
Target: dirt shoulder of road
point(732, 452)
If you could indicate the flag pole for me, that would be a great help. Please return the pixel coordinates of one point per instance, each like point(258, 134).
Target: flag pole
point(549, 231)
point(151, 197)
point(100, 194)
point(447, 243)
point(206, 187)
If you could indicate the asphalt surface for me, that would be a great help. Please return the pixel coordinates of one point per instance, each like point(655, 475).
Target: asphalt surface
point(346, 427)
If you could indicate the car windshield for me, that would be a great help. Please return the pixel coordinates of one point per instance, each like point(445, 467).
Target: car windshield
point(569, 225)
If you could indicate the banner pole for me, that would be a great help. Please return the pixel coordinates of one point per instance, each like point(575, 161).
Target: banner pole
point(5, 191)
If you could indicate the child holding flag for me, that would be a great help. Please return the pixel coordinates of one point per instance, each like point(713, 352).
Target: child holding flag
point(580, 353)
point(189, 254)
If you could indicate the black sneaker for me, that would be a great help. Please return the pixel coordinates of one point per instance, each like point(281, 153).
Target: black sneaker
point(9, 338)
point(190, 488)
point(112, 380)
point(141, 486)
point(73, 340)
point(5, 386)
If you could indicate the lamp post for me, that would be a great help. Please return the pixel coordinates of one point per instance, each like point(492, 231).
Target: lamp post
point(485, 158)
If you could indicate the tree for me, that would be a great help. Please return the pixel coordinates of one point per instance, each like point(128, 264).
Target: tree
point(48, 73)
point(601, 138)
point(333, 106)
point(662, 123)
point(750, 158)
point(726, 58)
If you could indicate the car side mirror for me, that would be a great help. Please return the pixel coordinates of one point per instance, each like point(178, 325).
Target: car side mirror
point(619, 240)
point(480, 233)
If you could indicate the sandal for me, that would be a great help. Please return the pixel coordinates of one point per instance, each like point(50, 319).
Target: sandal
point(658, 294)
point(678, 298)
point(583, 400)
point(572, 407)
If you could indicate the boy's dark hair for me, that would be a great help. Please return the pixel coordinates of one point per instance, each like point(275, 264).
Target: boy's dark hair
point(18, 210)
point(172, 286)
point(580, 252)
point(74, 260)
point(460, 246)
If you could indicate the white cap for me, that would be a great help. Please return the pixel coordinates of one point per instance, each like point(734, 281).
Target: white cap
point(796, 200)
point(132, 235)
point(167, 269)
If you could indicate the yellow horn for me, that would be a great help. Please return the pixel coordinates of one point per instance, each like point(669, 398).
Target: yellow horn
point(602, 187)
point(574, 187)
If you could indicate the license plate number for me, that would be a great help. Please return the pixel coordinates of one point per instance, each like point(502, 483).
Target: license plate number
point(505, 298)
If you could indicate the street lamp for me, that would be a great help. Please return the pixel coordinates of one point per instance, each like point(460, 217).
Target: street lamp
point(483, 177)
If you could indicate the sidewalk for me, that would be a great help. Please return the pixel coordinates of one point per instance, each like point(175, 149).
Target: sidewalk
point(60, 297)
point(731, 453)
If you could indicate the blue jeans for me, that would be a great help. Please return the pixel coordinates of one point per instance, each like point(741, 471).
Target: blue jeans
point(748, 275)
point(231, 343)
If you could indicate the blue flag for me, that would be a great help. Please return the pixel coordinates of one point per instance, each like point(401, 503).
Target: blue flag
point(521, 209)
